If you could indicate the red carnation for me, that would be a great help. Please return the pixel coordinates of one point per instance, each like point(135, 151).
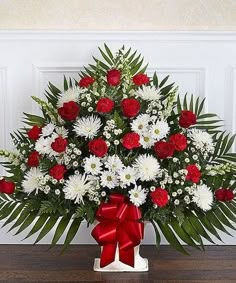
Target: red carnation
point(34, 132)
point(193, 174)
point(179, 141)
point(113, 77)
point(69, 111)
point(164, 149)
point(224, 194)
point(131, 140)
point(141, 79)
point(98, 147)
point(59, 145)
point(7, 187)
point(160, 197)
point(57, 171)
point(105, 105)
point(86, 81)
point(187, 119)
point(130, 107)
point(33, 159)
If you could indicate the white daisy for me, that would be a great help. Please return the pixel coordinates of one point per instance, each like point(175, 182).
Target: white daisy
point(141, 123)
point(109, 179)
point(146, 140)
point(87, 127)
point(148, 93)
point(32, 180)
point(76, 187)
point(72, 94)
point(137, 195)
point(159, 130)
point(127, 176)
point(113, 163)
point(203, 197)
point(202, 140)
point(48, 129)
point(147, 167)
point(92, 165)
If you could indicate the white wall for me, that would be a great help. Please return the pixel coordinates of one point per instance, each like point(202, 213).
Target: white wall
point(118, 14)
point(201, 63)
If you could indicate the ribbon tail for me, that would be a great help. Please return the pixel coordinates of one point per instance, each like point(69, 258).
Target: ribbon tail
point(127, 256)
point(108, 254)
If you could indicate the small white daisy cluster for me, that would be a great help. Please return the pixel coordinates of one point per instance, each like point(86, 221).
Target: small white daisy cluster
point(150, 129)
point(87, 101)
point(112, 173)
point(71, 157)
point(111, 132)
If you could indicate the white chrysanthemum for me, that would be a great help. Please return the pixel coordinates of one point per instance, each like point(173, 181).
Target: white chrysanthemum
point(202, 140)
point(61, 131)
point(147, 167)
point(87, 127)
point(146, 140)
point(109, 179)
point(32, 180)
point(141, 123)
point(203, 197)
point(137, 195)
point(92, 165)
point(43, 145)
point(76, 188)
point(113, 163)
point(48, 129)
point(148, 93)
point(127, 176)
point(159, 130)
point(72, 94)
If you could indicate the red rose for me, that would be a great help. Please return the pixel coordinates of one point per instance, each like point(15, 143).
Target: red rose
point(113, 77)
point(179, 141)
point(105, 105)
point(187, 119)
point(69, 111)
point(33, 159)
point(224, 194)
point(131, 140)
point(59, 144)
point(141, 79)
point(193, 174)
point(57, 171)
point(164, 149)
point(130, 107)
point(34, 133)
point(98, 147)
point(160, 197)
point(7, 187)
point(86, 81)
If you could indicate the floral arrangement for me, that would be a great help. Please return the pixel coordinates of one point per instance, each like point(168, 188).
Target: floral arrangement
point(119, 144)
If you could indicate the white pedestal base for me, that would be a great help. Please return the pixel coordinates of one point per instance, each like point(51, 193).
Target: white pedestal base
point(140, 264)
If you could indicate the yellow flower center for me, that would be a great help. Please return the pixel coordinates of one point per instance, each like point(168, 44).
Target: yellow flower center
point(109, 178)
point(127, 176)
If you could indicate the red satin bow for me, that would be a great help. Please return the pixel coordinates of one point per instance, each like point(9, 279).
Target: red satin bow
point(119, 224)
